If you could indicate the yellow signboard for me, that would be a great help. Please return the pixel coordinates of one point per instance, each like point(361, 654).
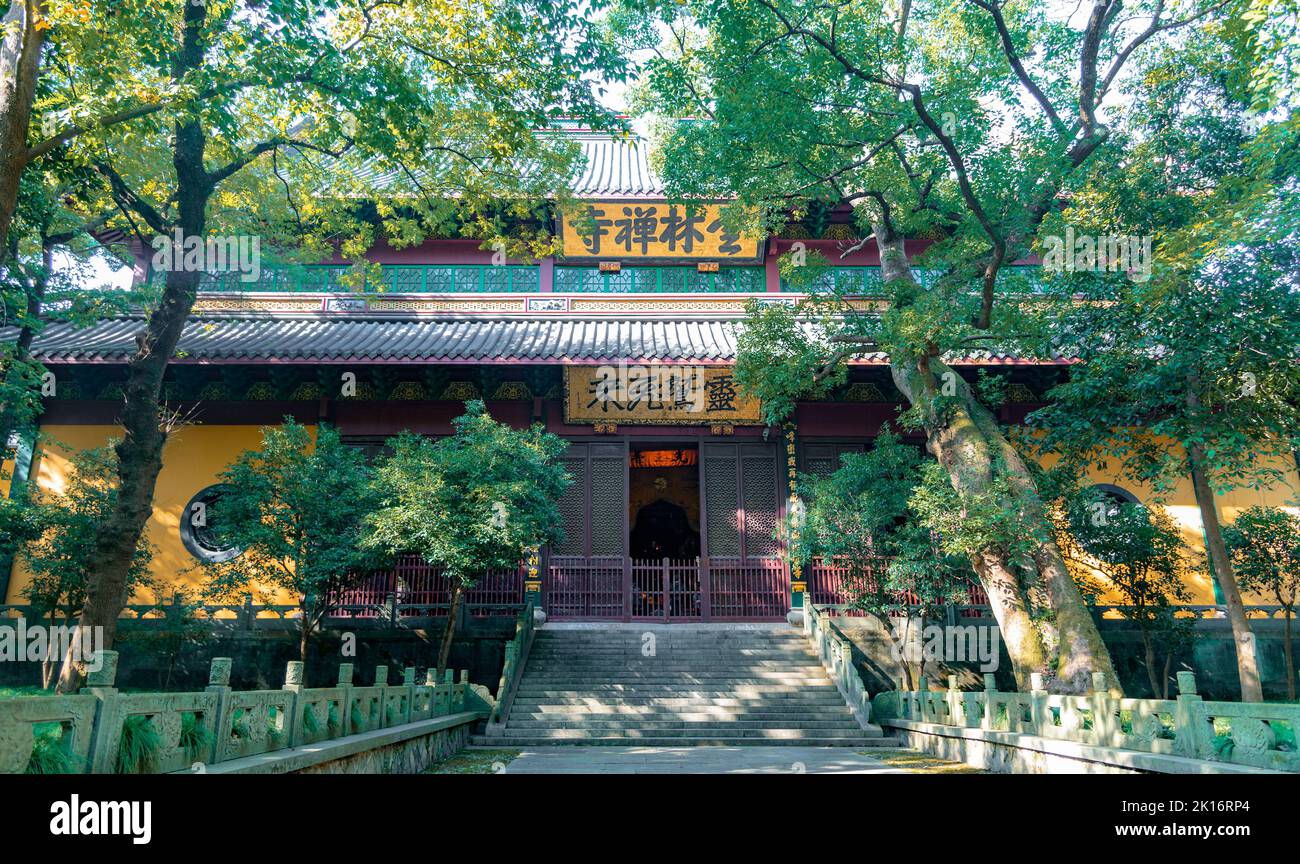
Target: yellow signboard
point(652, 231)
point(656, 395)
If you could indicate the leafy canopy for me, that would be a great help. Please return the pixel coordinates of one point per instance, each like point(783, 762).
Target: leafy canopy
point(297, 509)
point(472, 501)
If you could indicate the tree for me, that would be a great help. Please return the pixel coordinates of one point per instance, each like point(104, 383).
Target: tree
point(471, 502)
point(1265, 546)
point(58, 554)
point(20, 58)
point(1204, 383)
point(34, 292)
point(930, 121)
point(862, 516)
point(299, 97)
point(297, 509)
point(1139, 553)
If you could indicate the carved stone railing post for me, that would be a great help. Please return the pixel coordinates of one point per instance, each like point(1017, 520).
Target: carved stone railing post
point(1106, 729)
point(381, 683)
point(219, 683)
point(923, 699)
point(1193, 735)
point(408, 681)
point(101, 682)
point(953, 699)
point(1039, 715)
point(990, 709)
point(294, 675)
point(345, 708)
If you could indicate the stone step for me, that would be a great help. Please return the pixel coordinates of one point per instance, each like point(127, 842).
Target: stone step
point(718, 729)
point(720, 688)
point(510, 740)
point(711, 724)
point(614, 692)
point(688, 715)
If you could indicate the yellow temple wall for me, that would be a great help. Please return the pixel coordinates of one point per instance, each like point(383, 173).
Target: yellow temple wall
point(193, 457)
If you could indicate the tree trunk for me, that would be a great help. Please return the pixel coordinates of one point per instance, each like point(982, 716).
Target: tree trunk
point(304, 640)
point(20, 60)
point(966, 440)
point(1164, 682)
point(1149, 653)
point(444, 651)
point(1242, 636)
point(900, 649)
point(139, 452)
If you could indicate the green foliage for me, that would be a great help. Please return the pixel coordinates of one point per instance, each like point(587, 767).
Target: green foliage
point(779, 362)
point(196, 738)
point(863, 514)
point(50, 755)
point(310, 722)
point(968, 522)
point(297, 509)
point(470, 502)
point(67, 521)
point(357, 719)
point(1265, 546)
point(1138, 550)
point(140, 746)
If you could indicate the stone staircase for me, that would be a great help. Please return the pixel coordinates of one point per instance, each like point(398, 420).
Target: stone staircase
point(694, 685)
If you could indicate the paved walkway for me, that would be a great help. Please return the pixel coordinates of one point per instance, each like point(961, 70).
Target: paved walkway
point(696, 760)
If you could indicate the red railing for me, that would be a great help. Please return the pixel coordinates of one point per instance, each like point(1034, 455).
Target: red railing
point(577, 587)
point(421, 589)
point(833, 583)
point(634, 589)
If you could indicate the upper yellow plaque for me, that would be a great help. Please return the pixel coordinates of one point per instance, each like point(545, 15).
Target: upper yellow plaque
point(652, 231)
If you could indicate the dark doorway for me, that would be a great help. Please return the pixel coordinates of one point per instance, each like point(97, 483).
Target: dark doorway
point(664, 502)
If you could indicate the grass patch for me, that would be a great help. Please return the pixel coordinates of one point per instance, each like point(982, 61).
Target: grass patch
point(14, 692)
point(915, 762)
point(196, 738)
point(310, 722)
point(139, 747)
point(49, 756)
point(485, 761)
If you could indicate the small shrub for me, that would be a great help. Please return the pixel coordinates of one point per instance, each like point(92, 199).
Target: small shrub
point(239, 727)
point(139, 747)
point(358, 720)
point(196, 737)
point(310, 722)
point(332, 722)
point(49, 756)
point(273, 731)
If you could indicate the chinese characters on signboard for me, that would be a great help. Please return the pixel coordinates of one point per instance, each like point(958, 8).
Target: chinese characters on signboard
point(636, 229)
point(649, 394)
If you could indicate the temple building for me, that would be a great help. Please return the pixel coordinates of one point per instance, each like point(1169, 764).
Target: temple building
point(622, 345)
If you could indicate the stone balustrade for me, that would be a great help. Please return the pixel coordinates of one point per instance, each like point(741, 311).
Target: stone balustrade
point(191, 730)
point(1258, 735)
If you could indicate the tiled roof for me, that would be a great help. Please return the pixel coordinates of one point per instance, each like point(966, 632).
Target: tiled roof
point(235, 339)
point(481, 340)
point(616, 167)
